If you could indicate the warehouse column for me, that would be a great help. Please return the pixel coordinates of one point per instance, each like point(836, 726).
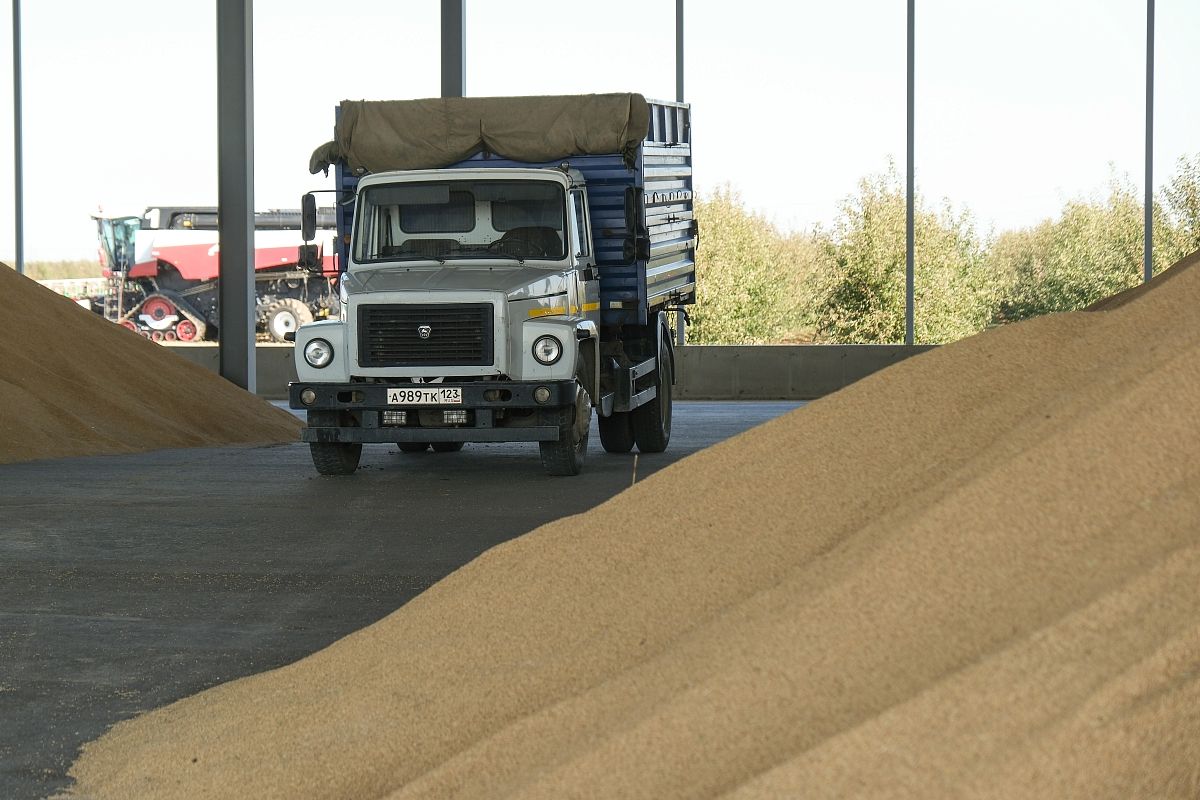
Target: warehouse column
point(235, 189)
point(1148, 225)
point(18, 156)
point(909, 203)
point(680, 317)
point(454, 65)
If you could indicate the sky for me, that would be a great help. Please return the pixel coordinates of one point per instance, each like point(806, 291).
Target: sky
point(1020, 105)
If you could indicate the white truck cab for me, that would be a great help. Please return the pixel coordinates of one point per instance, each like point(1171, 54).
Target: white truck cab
point(511, 243)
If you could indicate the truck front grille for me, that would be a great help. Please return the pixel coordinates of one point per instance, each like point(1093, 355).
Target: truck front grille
point(456, 335)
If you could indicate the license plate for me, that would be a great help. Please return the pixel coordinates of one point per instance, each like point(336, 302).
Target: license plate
point(425, 396)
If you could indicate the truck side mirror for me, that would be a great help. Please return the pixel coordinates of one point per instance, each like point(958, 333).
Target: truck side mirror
point(308, 217)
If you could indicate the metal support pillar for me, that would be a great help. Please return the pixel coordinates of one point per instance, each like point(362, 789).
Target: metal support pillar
point(235, 189)
point(679, 51)
point(909, 203)
point(1148, 226)
point(18, 144)
point(454, 47)
point(680, 316)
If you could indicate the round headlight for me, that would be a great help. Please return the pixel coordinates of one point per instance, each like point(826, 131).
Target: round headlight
point(547, 350)
point(318, 353)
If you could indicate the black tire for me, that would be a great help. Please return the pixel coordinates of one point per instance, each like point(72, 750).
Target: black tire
point(447, 447)
point(616, 432)
point(413, 447)
point(335, 458)
point(652, 421)
point(285, 316)
point(566, 456)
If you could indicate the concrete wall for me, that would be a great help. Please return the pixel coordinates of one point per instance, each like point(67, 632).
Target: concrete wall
point(778, 372)
point(275, 368)
point(703, 372)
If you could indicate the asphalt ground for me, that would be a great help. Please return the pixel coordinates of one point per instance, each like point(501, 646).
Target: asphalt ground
point(133, 581)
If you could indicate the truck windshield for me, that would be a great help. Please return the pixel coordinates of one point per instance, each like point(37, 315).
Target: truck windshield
point(464, 219)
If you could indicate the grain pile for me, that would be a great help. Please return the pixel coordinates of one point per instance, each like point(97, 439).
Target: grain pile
point(976, 574)
point(73, 384)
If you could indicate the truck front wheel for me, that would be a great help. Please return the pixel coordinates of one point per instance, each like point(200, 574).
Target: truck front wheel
point(336, 458)
point(565, 457)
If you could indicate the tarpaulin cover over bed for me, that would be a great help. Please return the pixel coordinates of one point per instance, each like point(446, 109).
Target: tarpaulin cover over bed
point(378, 135)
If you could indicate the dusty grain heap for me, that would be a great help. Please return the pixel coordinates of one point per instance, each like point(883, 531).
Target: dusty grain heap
point(72, 384)
point(976, 574)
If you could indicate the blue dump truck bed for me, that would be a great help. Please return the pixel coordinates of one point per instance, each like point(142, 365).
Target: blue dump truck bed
point(655, 169)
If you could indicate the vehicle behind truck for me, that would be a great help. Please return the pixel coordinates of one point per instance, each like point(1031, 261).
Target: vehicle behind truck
point(162, 270)
point(507, 267)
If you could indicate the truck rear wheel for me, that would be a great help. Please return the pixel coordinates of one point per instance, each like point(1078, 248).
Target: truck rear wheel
point(652, 421)
point(447, 447)
point(566, 456)
point(616, 432)
point(336, 458)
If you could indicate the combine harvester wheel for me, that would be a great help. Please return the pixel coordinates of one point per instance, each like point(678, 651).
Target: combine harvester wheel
point(186, 330)
point(285, 316)
point(159, 315)
point(158, 309)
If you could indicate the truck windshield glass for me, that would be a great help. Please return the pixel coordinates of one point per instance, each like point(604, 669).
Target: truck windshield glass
point(457, 220)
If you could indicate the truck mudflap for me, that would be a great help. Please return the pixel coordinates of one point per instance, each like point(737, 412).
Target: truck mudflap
point(495, 411)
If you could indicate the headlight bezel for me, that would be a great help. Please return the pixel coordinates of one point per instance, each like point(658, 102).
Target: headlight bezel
point(547, 337)
point(318, 341)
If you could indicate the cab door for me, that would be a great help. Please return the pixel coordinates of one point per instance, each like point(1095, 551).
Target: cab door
point(586, 300)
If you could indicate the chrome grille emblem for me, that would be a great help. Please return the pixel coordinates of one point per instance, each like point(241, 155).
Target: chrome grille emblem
point(424, 331)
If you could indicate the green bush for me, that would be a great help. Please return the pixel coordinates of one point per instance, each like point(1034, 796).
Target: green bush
point(1182, 200)
point(860, 292)
point(846, 284)
point(1092, 250)
point(751, 279)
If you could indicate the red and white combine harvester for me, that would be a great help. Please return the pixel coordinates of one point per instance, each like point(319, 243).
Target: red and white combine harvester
point(162, 272)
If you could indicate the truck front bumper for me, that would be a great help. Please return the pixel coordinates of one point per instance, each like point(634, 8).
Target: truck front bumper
point(497, 411)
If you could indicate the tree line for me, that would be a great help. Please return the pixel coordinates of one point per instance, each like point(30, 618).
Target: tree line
point(844, 284)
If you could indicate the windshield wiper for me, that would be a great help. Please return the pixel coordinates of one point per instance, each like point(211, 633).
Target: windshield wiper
point(411, 257)
point(519, 259)
point(487, 252)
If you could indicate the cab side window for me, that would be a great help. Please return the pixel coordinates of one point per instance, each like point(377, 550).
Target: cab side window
point(581, 226)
